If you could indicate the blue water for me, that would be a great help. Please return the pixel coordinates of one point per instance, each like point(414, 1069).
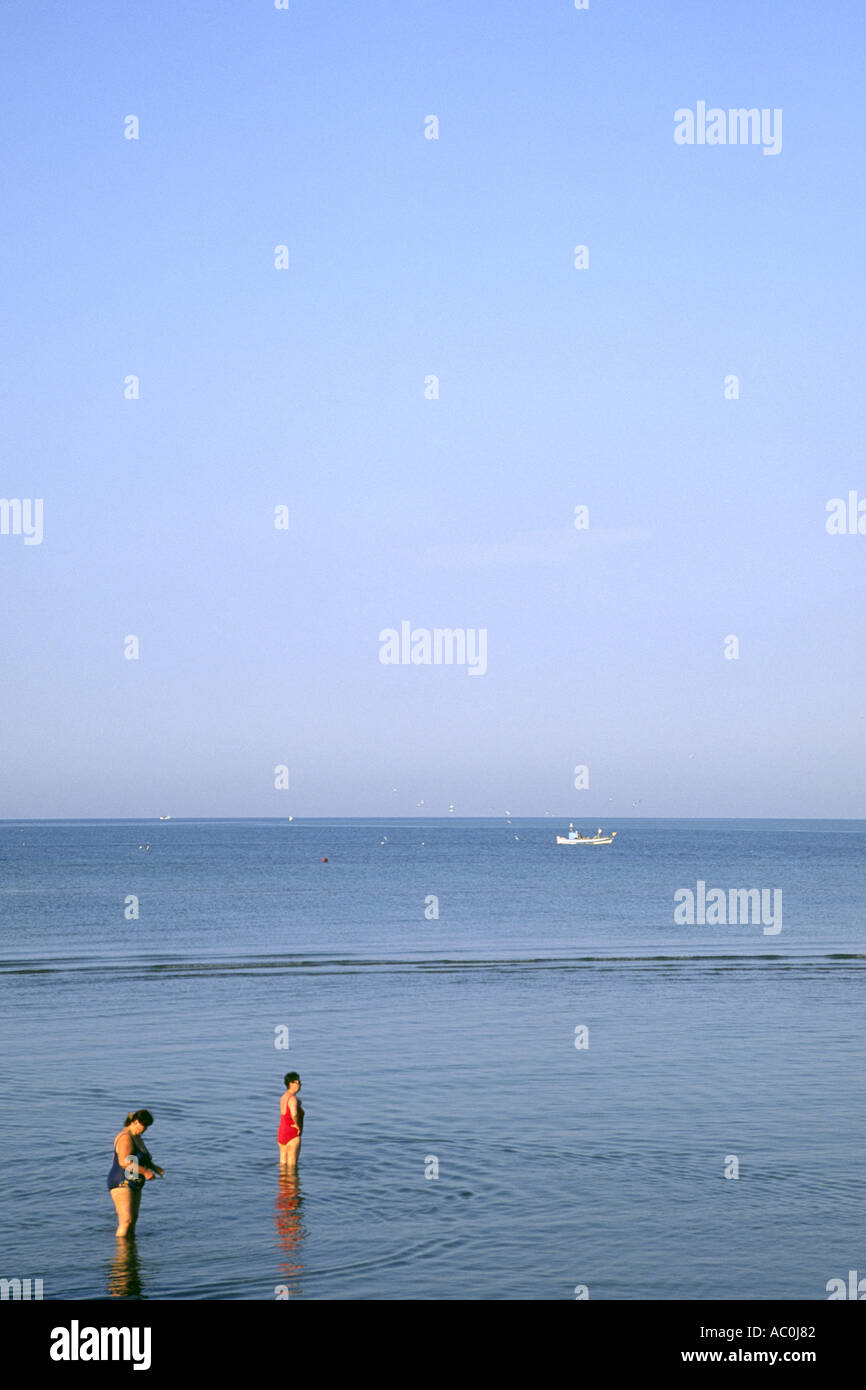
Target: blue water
point(426, 1040)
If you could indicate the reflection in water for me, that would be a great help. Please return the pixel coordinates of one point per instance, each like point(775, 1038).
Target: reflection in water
point(289, 1229)
point(124, 1276)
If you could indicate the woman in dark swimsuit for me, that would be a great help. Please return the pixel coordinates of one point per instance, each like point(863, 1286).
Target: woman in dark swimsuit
point(131, 1169)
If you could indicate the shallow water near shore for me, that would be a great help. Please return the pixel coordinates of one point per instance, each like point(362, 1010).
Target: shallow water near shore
point(433, 1044)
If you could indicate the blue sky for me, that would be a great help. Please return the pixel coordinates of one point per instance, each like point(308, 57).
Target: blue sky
point(305, 387)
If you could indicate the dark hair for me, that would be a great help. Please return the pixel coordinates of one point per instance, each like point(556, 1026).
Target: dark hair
point(289, 1077)
point(144, 1116)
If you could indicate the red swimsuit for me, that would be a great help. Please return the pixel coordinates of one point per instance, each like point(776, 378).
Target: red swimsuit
point(288, 1129)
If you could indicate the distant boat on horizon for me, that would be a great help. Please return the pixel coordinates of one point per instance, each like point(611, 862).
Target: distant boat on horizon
point(574, 837)
point(165, 817)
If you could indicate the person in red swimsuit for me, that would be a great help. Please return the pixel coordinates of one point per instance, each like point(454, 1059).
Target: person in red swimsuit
point(291, 1121)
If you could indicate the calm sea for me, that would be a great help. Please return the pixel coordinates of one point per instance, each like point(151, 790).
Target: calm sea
point(520, 1074)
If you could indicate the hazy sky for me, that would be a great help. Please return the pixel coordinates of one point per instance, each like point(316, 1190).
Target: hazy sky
point(559, 387)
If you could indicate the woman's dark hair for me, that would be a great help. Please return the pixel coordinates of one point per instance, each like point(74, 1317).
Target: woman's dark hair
point(144, 1116)
point(289, 1077)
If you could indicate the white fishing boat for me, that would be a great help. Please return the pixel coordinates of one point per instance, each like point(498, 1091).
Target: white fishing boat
point(165, 817)
point(574, 837)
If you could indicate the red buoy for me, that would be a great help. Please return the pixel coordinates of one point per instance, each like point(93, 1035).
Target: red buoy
point(324, 860)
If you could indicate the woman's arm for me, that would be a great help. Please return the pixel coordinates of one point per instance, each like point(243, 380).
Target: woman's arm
point(145, 1155)
point(128, 1158)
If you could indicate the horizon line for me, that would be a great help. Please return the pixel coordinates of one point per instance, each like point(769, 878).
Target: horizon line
point(284, 820)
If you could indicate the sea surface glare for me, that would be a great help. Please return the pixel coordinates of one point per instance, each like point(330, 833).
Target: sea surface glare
point(431, 1042)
